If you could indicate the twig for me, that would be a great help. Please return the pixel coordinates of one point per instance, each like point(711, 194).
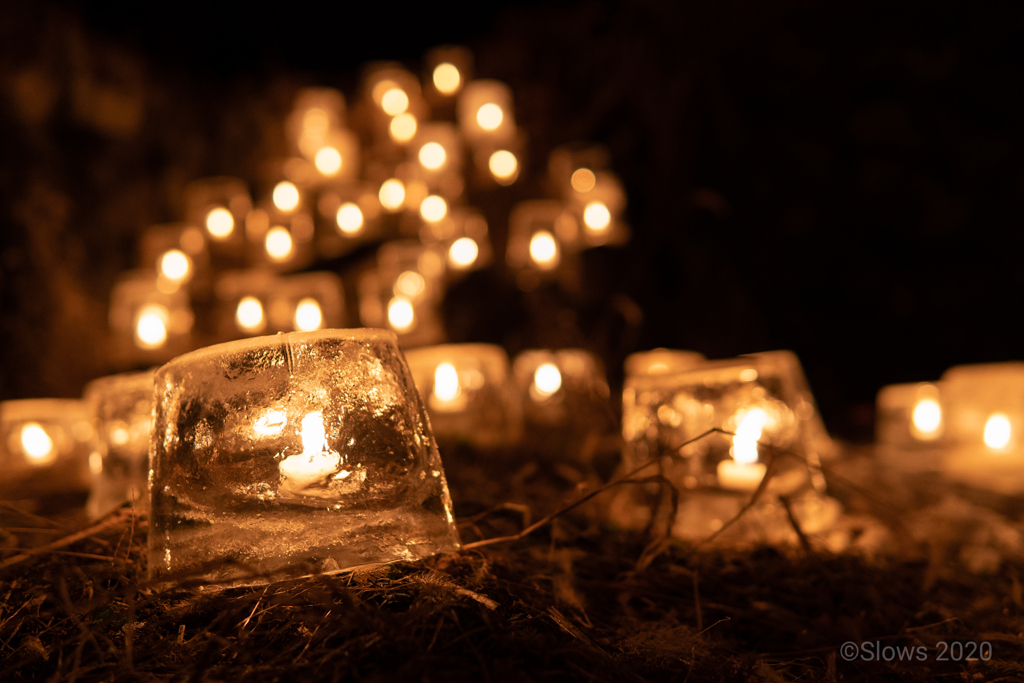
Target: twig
point(696, 603)
point(67, 540)
point(796, 525)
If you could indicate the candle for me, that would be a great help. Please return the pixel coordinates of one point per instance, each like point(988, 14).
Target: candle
point(47, 447)
point(219, 206)
point(289, 453)
point(983, 419)
point(391, 92)
point(485, 112)
point(573, 169)
point(909, 425)
point(316, 114)
point(446, 71)
point(661, 362)
point(149, 323)
point(122, 407)
point(468, 392)
point(542, 235)
point(179, 254)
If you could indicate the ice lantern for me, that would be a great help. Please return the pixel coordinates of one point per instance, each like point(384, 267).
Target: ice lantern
point(292, 454)
point(909, 425)
point(763, 401)
point(47, 447)
point(122, 409)
point(984, 425)
point(469, 393)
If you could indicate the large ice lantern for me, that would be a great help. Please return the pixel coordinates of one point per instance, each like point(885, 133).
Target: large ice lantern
point(291, 454)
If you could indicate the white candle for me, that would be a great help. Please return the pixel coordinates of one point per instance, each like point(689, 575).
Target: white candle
point(740, 476)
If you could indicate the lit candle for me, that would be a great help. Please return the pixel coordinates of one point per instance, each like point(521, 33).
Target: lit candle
point(151, 321)
point(661, 362)
point(743, 472)
point(219, 206)
point(257, 302)
point(447, 69)
point(485, 112)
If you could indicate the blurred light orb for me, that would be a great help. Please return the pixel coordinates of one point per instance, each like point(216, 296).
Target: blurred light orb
point(286, 196)
point(278, 243)
point(402, 127)
point(597, 217)
point(401, 315)
point(316, 121)
point(446, 382)
point(392, 194)
point(349, 218)
point(489, 116)
point(432, 156)
point(308, 316)
point(249, 315)
point(544, 249)
point(433, 208)
point(503, 164)
point(219, 223)
point(174, 265)
point(151, 326)
point(447, 78)
point(583, 180)
point(394, 102)
point(547, 380)
point(328, 161)
point(410, 284)
point(37, 444)
point(927, 418)
point(463, 252)
point(997, 431)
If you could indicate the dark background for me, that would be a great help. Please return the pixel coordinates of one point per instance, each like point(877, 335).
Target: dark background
point(840, 179)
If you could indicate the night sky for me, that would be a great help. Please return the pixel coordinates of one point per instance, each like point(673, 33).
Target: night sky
point(839, 179)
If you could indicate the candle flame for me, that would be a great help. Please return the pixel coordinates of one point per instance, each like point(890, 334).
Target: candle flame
point(544, 250)
point(997, 431)
point(503, 165)
point(394, 102)
point(315, 463)
point(249, 314)
point(328, 161)
point(446, 382)
point(401, 315)
point(927, 418)
point(392, 194)
point(402, 127)
point(308, 316)
point(432, 156)
point(174, 265)
point(151, 326)
point(547, 380)
point(463, 252)
point(489, 116)
point(447, 78)
point(220, 223)
point(583, 180)
point(350, 218)
point(278, 243)
point(286, 196)
point(744, 443)
point(433, 208)
point(597, 217)
point(37, 444)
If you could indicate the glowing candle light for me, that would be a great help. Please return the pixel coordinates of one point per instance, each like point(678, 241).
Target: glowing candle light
point(489, 116)
point(503, 165)
point(597, 217)
point(926, 419)
point(432, 156)
point(547, 380)
point(37, 444)
point(447, 78)
point(316, 121)
point(402, 127)
point(220, 223)
point(175, 265)
point(392, 194)
point(278, 244)
point(151, 326)
point(410, 284)
point(394, 102)
point(583, 180)
point(433, 208)
point(328, 161)
point(447, 389)
point(744, 472)
point(308, 316)
point(270, 423)
point(463, 252)
point(544, 250)
point(401, 315)
point(286, 196)
point(317, 461)
point(249, 315)
point(997, 431)
point(349, 218)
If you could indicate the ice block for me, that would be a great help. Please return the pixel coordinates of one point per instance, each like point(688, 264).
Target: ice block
point(469, 393)
point(292, 454)
point(909, 425)
point(122, 411)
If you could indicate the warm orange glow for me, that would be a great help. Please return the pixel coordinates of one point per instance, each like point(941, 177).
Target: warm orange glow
point(446, 383)
point(926, 419)
point(249, 315)
point(278, 243)
point(349, 218)
point(308, 316)
point(597, 217)
point(463, 252)
point(583, 180)
point(544, 250)
point(175, 265)
point(547, 380)
point(998, 431)
point(328, 161)
point(401, 315)
point(410, 284)
point(447, 78)
point(37, 444)
point(316, 122)
point(219, 223)
point(286, 196)
point(394, 102)
point(392, 194)
point(151, 326)
point(503, 164)
point(433, 208)
point(270, 423)
point(403, 127)
point(432, 156)
point(489, 116)
point(744, 443)
point(314, 464)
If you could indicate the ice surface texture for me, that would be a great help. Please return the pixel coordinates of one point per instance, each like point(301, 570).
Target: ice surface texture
point(294, 453)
